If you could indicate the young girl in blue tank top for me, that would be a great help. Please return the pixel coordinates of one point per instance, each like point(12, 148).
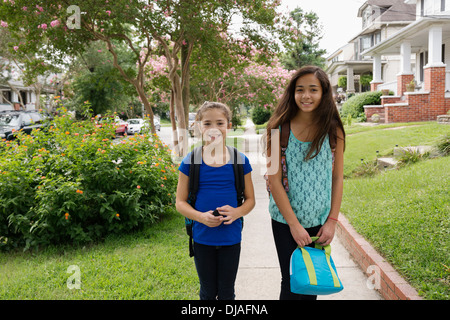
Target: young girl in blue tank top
point(314, 160)
point(217, 239)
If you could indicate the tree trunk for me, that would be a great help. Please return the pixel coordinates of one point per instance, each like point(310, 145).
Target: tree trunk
point(182, 147)
point(147, 106)
point(172, 120)
point(185, 67)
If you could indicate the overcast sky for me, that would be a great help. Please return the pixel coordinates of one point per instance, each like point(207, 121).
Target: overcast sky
point(338, 18)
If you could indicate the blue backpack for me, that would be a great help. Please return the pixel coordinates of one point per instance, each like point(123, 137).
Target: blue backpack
point(194, 172)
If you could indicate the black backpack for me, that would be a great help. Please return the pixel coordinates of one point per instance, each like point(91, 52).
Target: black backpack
point(194, 171)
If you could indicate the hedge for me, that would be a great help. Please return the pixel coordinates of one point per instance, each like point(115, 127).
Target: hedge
point(355, 105)
point(72, 182)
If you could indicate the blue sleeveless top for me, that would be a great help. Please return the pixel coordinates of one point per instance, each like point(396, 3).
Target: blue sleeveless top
point(309, 183)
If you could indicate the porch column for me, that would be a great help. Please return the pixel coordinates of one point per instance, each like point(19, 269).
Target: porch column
point(434, 76)
point(405, 76)
point(350, 80)
point(435, 47)
point(405, 58)
point(376, 73)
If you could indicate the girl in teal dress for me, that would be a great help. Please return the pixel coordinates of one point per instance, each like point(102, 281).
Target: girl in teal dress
point(310, 205)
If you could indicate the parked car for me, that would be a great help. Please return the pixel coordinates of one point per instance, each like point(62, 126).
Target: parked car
point(14, 121)
point(121, 126)
point(157, 124)
point(136, 125)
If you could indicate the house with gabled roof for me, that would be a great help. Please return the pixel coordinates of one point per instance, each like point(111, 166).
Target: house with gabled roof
point(423, 89)
point(14, 94)
point(380, 19)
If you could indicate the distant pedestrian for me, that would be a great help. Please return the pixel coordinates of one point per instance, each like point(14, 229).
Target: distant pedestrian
point(217, 234)
point(314, 161)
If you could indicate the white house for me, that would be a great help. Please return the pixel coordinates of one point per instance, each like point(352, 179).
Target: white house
point(380, 19)
point(427, 41)
point(12, 86)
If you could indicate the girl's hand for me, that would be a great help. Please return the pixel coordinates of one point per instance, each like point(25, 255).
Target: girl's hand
point(300, 235)
point(229, 214)
point(326, 233)
point(209, 220)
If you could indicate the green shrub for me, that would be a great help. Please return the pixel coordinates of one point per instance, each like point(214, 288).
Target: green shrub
point(73, 182)
point(355, 105)
point(443, 145)
point(260, 115)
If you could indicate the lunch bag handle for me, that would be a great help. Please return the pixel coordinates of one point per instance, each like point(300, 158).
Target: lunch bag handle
point(310, 266)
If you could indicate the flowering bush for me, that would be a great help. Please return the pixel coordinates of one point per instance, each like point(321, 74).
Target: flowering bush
point(72, 182)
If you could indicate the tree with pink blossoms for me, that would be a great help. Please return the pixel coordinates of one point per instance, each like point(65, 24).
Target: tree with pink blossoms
point(59, 29)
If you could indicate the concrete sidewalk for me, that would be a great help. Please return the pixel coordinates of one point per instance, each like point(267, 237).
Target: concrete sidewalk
point(259, 274)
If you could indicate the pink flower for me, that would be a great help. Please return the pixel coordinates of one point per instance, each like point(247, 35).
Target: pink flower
point(44, 26)
point(108, 12)
point(99, 50)
point(16, 48)
point(4, 24)
point(24, 8)
point(55, 23)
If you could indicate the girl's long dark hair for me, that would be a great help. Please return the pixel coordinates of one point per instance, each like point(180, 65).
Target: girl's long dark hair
point(326, 115)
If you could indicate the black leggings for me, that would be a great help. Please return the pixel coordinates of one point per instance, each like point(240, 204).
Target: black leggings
point(217, 269)
point(285, 244)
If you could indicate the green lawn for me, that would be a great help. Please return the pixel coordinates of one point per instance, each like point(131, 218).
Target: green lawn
point(405, 213)
point(150, 264)
point(364, 142)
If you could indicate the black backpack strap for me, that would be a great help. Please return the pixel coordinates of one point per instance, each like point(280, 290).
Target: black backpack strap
point(238, 168)
point(194, 175)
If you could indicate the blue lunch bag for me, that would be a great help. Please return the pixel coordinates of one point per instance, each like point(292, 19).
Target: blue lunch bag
point(313, 271)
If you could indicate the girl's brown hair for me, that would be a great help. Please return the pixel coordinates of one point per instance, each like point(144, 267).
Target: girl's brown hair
point(326, 115)
point(213, 105)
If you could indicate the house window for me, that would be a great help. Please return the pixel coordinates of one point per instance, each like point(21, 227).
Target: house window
point(377, 38)
point(442, 5)
point(24, 96)
point(443, 53)
point(422, 8)
point(6, 96)
point(366, 42)
point(423, 60)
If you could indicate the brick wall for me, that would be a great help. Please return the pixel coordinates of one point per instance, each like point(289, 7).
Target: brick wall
point(369, 111)
point(402, 81)
point(374, 86)
point(417, 106)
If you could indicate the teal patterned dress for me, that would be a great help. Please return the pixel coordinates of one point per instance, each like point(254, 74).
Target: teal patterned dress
point(309, 183)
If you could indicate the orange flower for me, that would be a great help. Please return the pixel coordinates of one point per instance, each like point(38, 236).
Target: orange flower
point(79, 191)
point(67, 132)
point(67, 216)
point(117, 215)
point(138, 187)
